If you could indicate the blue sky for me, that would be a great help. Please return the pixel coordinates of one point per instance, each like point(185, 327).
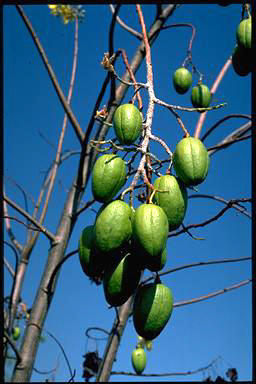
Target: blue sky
point(196, 333)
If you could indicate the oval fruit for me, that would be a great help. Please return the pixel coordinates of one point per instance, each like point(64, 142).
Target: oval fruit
point(158, 263)
point(91, 261)
point(242, 61)
point(244, 33)
point(113, 227)
point(173, 201)
point(127, 123)
point(121, 280)
point(108, 177)
point(139, 360)
point(191, 161)
point(15, 333)
point(182, 80)
point(201, 96)
point(150, 231)
point(152, 309)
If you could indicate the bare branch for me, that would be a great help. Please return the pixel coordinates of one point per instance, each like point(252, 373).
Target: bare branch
point(212, 90)
point(78, 130)
point(197, 264)
point(125, 26)
point(30, 218)
point(237, 206)
point(213, 218)
point(211, 129)
point(168, 373)
point(210, 295)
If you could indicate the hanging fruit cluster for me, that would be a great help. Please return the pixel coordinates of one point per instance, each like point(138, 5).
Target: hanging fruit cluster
point(200, 95)
point(123, 241)
point(242, 53)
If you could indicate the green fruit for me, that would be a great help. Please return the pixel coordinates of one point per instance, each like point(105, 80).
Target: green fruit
point(191, 161)
point(108, 177)
point(201, 96)
point(152, 309)
point(173, 201)
point(150, 232)
point(182, 80)
point(244, 33)
point(121, 280)
point(113, 227)
point(91, 260)
point(242, 61)
point(139, 360)
point(127, 123)
point(15, 333)
point(158, 263)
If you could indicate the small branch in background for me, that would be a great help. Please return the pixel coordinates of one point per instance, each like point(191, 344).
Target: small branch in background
point(229, 205)
point(212, 90)
point(236, 206)
point(47, 233)
point(213, 294)
point(78, 130)
point(12, 237)
point(136, 86)
point(211, 129)
point(192, 372)
point(197, 264)
point(125, 26)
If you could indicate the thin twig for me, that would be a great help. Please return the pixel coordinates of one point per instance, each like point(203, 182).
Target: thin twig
point(30, 218)
point(229, 205)
point(78, 130)
point(212, 90)
point(64, 125)
point(212, 294)
point(125, 26)
point(217, 198)
point(167, 373)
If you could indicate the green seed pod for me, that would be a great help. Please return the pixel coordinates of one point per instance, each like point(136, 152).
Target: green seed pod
point(121, 279)
point(242, 60)
point(16, 333)
point(201, 96)
point(152, 309)
point(244, 33)
point(113, 227)
point(108, 177)
point(127, 123)
point(139, 360)
point(182, 80)
point(191, 161)
point(173, 200)
point(150, 232)
point(92, 262)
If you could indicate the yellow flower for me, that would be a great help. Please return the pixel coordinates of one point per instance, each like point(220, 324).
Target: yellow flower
point(52, 6)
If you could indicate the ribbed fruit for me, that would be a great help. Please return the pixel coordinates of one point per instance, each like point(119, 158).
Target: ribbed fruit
point(91, 261)
point(127, 123)
point(201, 96)
point(242, 60)
point(108, 177)
point(121, 279)
point(173, 200)
point(182, 80)
point(113, 227)
point(244, 33)
point(150, 231)
point(152, 309)
point(139, 360)
point(191, 161)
